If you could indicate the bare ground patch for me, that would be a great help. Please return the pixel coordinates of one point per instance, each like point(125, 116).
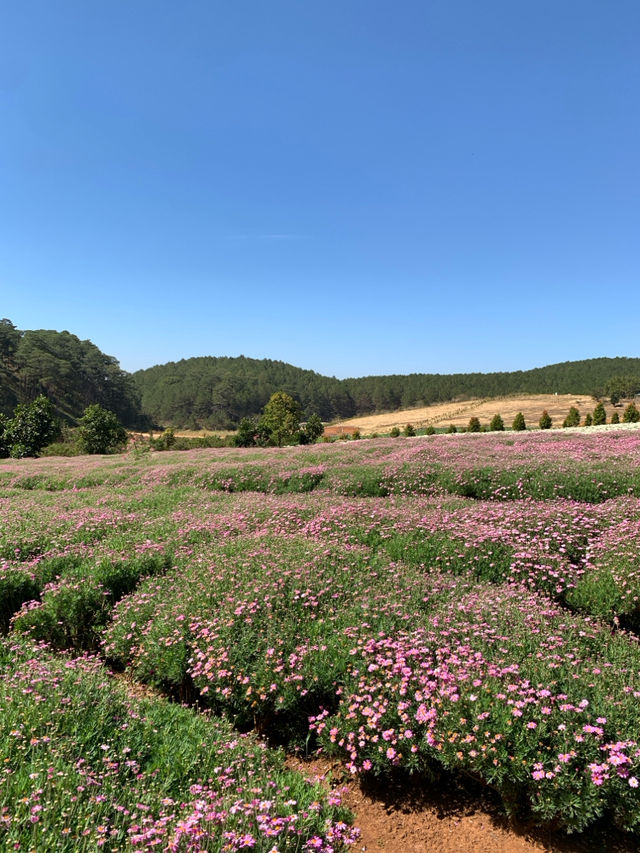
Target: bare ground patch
point(459, 412)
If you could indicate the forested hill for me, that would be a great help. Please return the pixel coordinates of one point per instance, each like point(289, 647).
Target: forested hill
point(72, 373)
point(217, 392)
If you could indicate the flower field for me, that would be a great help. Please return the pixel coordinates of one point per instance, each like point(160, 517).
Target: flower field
point(454, 604)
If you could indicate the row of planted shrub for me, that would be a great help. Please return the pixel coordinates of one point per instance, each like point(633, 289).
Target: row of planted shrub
point(591, 468)
point(87, 767)
point(583, 556)
point(396, 668)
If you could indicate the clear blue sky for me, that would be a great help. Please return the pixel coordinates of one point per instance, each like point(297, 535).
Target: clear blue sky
point(352, 186)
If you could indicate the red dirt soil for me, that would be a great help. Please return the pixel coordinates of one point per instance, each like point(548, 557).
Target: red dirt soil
point(447, 818)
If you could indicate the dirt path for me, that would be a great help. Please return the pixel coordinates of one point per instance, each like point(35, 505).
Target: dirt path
point(444, 818)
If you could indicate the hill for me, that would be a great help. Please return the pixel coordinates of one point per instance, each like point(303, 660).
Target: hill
point(458, 413)
point(72, 373)
point(217, 392)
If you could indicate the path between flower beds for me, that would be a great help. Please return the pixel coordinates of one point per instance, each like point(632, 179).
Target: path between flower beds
point(453, 819)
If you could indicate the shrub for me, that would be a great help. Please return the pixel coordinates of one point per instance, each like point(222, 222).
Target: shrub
point(572, 419)
point(452, 428)
point(246, 434)
point(100, 431)
point(497, 424)
point(474, 425)
point(395, 432)
point(615, 418)
point(519, 423)
point(599, 415)
point(409, 431)
point(631, 414)
point(430, 430)
point(32, 427)
point(355, 435)
point(588, 419)
point(313, 429)
point(545, 420)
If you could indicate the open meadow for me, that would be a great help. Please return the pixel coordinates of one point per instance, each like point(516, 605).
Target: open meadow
point(451, 607)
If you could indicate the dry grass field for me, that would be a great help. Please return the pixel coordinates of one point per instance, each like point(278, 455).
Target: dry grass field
point(459, 412)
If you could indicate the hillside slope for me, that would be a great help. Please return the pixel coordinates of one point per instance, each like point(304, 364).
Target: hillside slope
point(217, 392)
point(72, 373)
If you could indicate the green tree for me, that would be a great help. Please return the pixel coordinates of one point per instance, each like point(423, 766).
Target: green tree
point(395, 432)
point(631, 414)
point(100, 431)
point(615, 418)
point(281, 419)
point(619, 387)
point(4, 443)
point(409, 431)
point(430, 430)
point(519, 423)
point(246, 433)
point(33, 426)
point(474, 425)
point(313, 429)
point(588, 419)
point(496, 424)
point(452, 428)
point(599, 415)
point(572, 419)
point(545, 420)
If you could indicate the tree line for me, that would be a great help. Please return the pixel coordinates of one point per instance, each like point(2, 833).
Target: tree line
point(71, 373)
point(218, 392)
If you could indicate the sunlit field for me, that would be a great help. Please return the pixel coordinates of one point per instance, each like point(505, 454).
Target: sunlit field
point(175, 622)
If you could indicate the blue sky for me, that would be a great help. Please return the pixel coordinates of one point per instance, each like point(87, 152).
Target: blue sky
point(352, 186)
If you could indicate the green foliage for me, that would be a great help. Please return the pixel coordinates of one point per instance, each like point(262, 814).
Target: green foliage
point(496, 424)
point(545, 421)
point(33, 426)
point(281, 419)
point(313, 429)
point(599, 415)
point(619, 387)
point(474, 425)
point(395, 432)
point(246, 433)
point(409, 431)
point(519, 423)
point(452, 428)
point(572, 419)
point(71, 373)
point(631, 414)
point(615, 418)
point(100, 431)
point(430, 430)
point(588, 419)
point(355, 435)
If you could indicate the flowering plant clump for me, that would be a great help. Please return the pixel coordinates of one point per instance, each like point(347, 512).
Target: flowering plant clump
point(86, 767)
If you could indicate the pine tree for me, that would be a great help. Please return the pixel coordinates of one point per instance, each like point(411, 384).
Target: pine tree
point(474, 425)
point(545, 420)
point(599, 415)
point(519, 423)
point(497, 424)
point(631, 414)
point(572, 419)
